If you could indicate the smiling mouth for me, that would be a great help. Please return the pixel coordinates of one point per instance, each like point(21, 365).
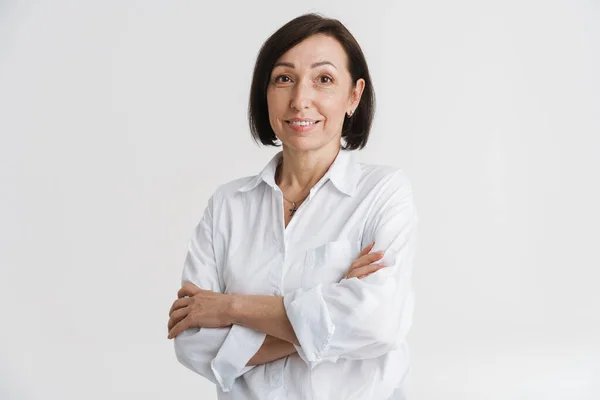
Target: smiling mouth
point(302, 123)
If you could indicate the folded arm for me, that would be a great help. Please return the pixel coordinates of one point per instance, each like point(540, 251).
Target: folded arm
point(272, 349)
point(355, 318)
point(218, 354)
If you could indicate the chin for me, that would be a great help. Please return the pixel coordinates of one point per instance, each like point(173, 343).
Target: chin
point(306, 143)
point(302, 145)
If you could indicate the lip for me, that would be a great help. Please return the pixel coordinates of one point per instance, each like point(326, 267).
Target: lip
point(300, 128)
point(301, 119)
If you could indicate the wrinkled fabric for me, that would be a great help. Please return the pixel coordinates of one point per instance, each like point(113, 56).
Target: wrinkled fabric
point(352, 332)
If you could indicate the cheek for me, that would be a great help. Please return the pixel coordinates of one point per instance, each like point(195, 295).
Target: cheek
point(334, 108)
point(275, 105)
point(271, 108)
point(333, 101)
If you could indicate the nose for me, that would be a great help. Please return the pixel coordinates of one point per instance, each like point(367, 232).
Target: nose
point(302, 95)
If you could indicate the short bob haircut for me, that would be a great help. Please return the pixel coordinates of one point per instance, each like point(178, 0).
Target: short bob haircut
point(356, 128)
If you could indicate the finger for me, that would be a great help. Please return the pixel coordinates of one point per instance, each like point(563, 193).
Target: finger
point(177, 316)
point(366, 260)
point(372, 272)
point(367, 269)
point(180, 303)
point(178, 328)
point(364, 276)
point(188, 289)
point(367, 249)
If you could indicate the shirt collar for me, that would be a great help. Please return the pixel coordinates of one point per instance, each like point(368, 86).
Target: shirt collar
point(343, 173)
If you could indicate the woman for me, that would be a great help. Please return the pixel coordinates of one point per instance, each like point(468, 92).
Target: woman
point(278, 299)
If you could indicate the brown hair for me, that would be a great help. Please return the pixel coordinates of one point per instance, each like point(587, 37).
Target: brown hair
point(355, 129)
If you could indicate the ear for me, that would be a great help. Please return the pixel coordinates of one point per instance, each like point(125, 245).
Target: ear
point(356, 94)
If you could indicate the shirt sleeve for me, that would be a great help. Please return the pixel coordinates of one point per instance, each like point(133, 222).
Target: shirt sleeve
point(218, 354)
point(368, 317)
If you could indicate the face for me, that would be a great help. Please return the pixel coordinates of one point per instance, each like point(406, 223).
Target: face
point(310, 91)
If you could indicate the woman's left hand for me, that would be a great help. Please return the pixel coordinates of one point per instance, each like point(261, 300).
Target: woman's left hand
point(200, 309)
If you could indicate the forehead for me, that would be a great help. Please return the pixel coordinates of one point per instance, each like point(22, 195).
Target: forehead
point(316, 48)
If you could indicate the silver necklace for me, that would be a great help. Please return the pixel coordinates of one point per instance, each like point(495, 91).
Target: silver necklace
point(294, 203)
point(294, 207)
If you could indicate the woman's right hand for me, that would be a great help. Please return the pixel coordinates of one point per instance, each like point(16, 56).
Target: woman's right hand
point(363, 265)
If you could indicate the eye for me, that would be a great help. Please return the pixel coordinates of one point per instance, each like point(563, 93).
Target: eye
point(325, 79)
point(282, 79)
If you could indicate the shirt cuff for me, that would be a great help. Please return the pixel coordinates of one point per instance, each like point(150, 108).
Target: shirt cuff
point(240, 345)
point(195, 348)
point(309, 316)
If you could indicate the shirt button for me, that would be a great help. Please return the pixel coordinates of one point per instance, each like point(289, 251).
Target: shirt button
point(276, 379)
point(276, 292)
point(309, 259)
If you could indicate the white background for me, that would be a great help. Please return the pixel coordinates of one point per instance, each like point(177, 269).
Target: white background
point(119, 118)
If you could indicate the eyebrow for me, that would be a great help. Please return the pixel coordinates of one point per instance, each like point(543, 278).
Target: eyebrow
point(291, 65)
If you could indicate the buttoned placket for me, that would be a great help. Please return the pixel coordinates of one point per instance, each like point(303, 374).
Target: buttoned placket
point(284, 233)
point(281, 240)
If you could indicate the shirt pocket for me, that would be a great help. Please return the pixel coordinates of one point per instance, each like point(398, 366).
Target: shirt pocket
point(329, 262)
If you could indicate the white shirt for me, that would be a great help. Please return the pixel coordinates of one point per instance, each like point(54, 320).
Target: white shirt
point(351, 331)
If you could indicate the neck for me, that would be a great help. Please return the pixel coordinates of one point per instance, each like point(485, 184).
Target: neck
point(300, 171)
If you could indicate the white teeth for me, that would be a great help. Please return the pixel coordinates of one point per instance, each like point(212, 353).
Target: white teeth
point(302, 123)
